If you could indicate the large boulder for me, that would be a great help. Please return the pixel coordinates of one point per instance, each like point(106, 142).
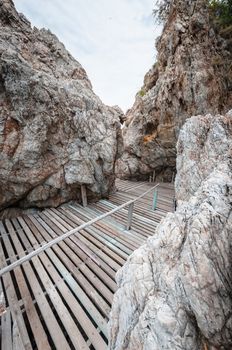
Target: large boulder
point(55, 133)
point(175, 292)
point(191, 77)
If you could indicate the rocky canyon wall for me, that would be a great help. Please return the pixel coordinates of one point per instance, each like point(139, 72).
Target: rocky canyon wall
point(190, 77)
point(55, 133)
point(175, 292)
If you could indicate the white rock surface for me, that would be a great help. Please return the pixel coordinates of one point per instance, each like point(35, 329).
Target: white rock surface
point(175, 292)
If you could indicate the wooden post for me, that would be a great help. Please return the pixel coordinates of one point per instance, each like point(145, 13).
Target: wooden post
point(129, 218)
point(155, 197)
point(83, 196)
point(153, 176)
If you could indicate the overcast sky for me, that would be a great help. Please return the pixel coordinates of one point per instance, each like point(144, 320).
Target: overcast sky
point(112, 39)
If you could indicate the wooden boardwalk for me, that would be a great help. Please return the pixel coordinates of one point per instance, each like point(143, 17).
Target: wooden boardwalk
point(61, 298)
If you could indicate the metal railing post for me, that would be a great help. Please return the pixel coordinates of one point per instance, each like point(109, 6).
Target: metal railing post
point(130, 214)
point(155, 197)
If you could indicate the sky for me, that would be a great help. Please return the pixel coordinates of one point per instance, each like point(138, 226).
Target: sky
point(114, 40)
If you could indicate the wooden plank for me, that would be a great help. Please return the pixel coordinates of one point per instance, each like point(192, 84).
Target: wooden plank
point(66, 235)
point(48, 316)
point(95, 246)
point(6, 336)
point(144, 218)
point(82, 296)
point(83, 262)
point(17, 339)
point(77, 310)
point(140, 228)
point(113, 237)
point(145, 201)
point(55, 298)
point(69, 260)
point(95, 238)
point(105, 226)
point(13, 301)
point(121, 214)
point(99, 267)
point(87, 251)
point(61, 229)
point(36, 326)
point(135, 238)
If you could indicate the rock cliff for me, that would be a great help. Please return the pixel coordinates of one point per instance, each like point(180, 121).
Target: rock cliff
point(175, 291)
point(191, 77)
point(55, 133)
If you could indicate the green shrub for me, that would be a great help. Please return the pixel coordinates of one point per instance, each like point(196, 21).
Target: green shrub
point(221, 12)
point(142, 93)
point(217, 60)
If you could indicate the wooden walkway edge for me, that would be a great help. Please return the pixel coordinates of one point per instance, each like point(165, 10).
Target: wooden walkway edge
point(61, 298)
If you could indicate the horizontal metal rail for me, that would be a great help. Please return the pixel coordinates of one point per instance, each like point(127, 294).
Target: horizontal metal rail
point(70, 233)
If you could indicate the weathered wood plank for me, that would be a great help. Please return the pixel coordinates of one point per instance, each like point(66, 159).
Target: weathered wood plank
point(80, 294)
point(6, 336)
point(37, 328)
point(47, 313)
point(55, 298)
point(72, 283)
point(13, 301)
point(75, 265)
point(84, 263)
point(87, 251)
point(77, 310)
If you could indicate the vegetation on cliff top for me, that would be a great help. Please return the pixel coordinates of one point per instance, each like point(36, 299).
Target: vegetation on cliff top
point(220, 11)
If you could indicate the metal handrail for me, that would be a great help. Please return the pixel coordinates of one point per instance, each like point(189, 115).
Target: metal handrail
point(75, 230)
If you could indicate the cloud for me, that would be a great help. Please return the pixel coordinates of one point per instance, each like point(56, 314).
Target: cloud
point(113, 40)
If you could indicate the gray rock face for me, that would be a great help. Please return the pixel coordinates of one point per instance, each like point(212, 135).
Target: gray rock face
point(189, 78)
point(55, 133)
point(205, 144)
point(175, 292)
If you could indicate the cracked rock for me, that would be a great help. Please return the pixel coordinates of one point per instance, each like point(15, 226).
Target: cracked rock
point(175, 292)
point(190, 77)
point(55, 133)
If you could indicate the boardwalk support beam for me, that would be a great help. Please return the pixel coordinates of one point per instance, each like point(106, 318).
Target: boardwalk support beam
point(130, 214)
point(84, 196)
